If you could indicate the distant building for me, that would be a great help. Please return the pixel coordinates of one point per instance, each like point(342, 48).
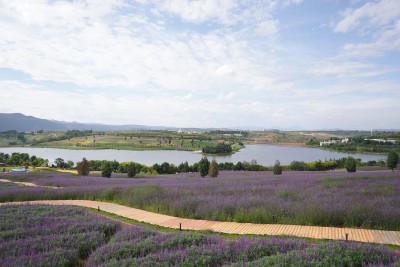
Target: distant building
point(343, 141)
point(186, 131)
point(234, 134)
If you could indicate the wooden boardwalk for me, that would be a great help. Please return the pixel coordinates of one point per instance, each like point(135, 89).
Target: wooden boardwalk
point(317, 232)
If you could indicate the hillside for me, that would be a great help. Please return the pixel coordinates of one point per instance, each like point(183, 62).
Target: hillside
point(23, 123)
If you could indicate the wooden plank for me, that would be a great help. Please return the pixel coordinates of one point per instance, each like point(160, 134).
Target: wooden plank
point(362, 235)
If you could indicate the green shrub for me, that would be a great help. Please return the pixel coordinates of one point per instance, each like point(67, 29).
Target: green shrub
point(277, 170)
point(351, 164)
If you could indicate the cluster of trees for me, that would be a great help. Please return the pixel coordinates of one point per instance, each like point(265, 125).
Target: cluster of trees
point(218, 149)
point(314, 166)
point(22, 159)
point(207, 168)
point(132, 169)
point(331, 164)
point(362, 144)
point(204, 166)
point(242, 166)
point(67, 135)
point(60, 163)
point(14, 136)
point(166, 168)
point(108, 167)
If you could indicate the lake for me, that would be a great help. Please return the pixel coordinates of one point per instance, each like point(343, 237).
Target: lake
point(263, 154)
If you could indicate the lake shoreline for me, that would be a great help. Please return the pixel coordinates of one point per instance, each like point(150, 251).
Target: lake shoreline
point(264, 154)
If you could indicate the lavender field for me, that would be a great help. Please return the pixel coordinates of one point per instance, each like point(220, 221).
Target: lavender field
point(363, 199)
point(39, 235)
point(137, 246)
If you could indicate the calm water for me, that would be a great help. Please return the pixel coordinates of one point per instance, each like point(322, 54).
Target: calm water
point(263, 154)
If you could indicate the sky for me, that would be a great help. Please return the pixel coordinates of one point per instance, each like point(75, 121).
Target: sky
point(286, 64)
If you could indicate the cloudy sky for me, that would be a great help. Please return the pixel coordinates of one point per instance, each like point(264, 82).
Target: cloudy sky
point(308, 64)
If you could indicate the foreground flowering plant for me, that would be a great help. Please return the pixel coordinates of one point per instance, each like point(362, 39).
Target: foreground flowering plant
point(40, 235)
point(332, 198)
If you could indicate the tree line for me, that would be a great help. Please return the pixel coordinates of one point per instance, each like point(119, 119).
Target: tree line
point(204, 166)
point(22, 159)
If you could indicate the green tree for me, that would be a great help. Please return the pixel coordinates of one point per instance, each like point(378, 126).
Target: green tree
point(70, 164)
point(351, 164)
point(213, 170)
point(277, 170)
point(106, 169)
point(83, 167)
point(183, 167)
point(392, 160)
point(204, 166)
point(131, 170)
point(298, 166)
point(60, 163)
point(238, 166)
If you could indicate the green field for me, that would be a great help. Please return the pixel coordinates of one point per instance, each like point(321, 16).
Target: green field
point(195, 141)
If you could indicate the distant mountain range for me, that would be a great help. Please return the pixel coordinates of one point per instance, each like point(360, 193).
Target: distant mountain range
point(23, 123)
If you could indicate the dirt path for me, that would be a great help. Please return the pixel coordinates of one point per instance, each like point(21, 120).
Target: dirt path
point(317, 232)
point(26, 183)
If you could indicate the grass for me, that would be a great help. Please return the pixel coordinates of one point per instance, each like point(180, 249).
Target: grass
point(329, 182)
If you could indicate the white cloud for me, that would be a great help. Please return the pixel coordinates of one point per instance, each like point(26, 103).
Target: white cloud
point(237, 108)
point(372, 14)
point(341, 67)
point(186, 63)
point(224, 70)
point(268, 27)
point(200, 10)
point(377, 25)
point(388, 40)
point(96, 46)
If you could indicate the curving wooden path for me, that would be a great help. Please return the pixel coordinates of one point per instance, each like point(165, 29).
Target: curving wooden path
point(317, 232)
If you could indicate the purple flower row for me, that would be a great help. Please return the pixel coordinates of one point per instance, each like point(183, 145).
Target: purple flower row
point(138, 246)
point(332, 198)
point(38, 235)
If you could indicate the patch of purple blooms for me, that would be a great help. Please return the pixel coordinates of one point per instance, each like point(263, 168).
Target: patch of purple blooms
point(138, 246)
point(39, 235)
point(330, 254)
point(332, 198)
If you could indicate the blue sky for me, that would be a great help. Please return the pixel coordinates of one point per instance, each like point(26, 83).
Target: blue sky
point(305, 64)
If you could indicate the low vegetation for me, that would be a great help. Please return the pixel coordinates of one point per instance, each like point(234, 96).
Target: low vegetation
point(361, 199)
point(38, 235)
